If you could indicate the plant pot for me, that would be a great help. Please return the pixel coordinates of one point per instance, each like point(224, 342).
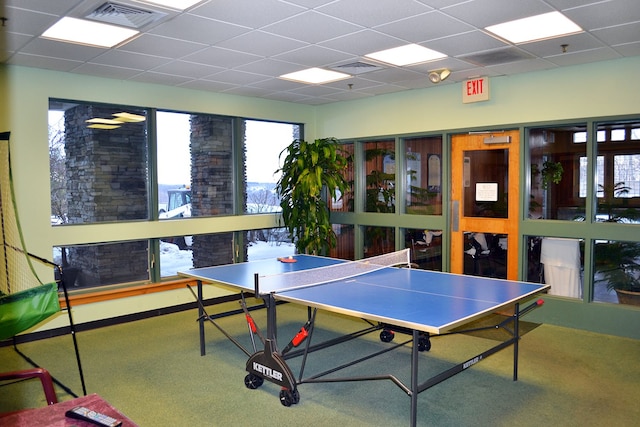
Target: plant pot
point(628, 297)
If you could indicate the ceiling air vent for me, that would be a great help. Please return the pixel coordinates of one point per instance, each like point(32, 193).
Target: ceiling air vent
point(357, 68)
point(496, 57)
point(127, 16)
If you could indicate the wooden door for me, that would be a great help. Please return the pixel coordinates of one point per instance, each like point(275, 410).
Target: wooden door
point(485, 204)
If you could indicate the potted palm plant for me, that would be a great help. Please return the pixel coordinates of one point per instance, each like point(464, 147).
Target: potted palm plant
point(617, 265)
point(312, 172)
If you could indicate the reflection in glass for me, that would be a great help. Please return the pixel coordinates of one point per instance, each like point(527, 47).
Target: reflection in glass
point(485, 255)
point(380, 168)
point(345, 203)
point(424, 175)
point(486, 182)
point(344, 242)
point(558, 180)
point(426, 248)
point(378, 240)
point(616, 269)
point(94, 265)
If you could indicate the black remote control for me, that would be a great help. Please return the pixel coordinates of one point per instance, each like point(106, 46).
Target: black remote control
point(93, 417)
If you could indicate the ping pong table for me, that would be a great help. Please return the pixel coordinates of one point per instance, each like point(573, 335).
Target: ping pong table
point(420, 303)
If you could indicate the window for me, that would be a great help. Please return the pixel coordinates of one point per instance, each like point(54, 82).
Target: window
point(616, 270)
point(423, 165)
point(269, 243)
point(99, 163)
point(107, 165)
point(583, 174)
point(378, 240)
point(264, 141)
point(345, 202)
point(426, 248)
point(92, 265)
point(558, 170)
point(618, 187)
point(380, 169)
point(174, 165)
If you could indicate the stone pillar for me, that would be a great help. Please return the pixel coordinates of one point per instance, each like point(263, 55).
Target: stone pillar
point(106, 181)
point(212, 185)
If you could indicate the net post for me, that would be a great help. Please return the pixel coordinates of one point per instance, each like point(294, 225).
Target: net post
point(256, 286)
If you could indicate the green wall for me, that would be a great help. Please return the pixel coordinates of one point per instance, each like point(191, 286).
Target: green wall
point(578, 92)
point(550, 95)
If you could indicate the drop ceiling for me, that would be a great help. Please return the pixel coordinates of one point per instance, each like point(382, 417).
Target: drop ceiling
point(240, 47)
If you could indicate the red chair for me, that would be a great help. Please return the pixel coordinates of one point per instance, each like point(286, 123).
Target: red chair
point(42, 374)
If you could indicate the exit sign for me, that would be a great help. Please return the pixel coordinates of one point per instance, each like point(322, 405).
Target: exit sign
point(474, 90)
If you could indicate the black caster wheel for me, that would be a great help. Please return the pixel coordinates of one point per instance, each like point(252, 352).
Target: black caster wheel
point(288, 398)
point(386, 335)
point(424, 343)
point(252, 381)
point(296, 396)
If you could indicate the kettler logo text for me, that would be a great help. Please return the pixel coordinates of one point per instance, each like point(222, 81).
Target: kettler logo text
point(471, 362)
point(267, 371)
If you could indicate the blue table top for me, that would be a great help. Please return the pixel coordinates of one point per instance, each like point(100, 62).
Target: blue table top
point(429, 301)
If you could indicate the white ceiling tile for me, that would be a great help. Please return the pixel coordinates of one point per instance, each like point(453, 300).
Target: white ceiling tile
point(198, 29)
point(363, 42)
point(207, 85)
point(165, 47)
point(56, 49)
point(261, 43)
point(249, 43)
point(463, 44)
point(525, 66)
point(371, 13)
point(482, 13)
point(46, 62)
point(629, 49)
point(187, 69)
point(237, 77)
point(219, 57)
point(271, 67)
point(314, 56)
point(584, 57)
point(159, 78)
point(248, 13)
point(107, 71)
point(605, 14)
point(312, 27)
point(27, 22)
point(575, 43)
point(128, 60)
point(428, 26)
point(55, 7)
point(620, 34)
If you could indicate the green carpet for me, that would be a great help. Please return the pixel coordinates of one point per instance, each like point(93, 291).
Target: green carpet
point(153, 372)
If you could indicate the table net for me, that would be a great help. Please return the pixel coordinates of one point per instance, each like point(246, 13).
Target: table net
point(320, 275)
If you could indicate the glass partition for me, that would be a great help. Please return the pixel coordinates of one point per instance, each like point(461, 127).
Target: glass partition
point(557, 185)
point(423, 165)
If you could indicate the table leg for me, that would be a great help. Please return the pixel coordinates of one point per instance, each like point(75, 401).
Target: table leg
point(201, 316)
point(414, 378)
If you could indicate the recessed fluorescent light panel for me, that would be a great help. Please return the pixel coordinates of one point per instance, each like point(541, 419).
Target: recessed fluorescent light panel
point(406, 55)
point(174, 4)
point(75, 30)
point(315, 76)
point(539, 27)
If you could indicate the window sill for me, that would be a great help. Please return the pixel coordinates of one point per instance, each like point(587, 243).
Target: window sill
point(113, 294)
